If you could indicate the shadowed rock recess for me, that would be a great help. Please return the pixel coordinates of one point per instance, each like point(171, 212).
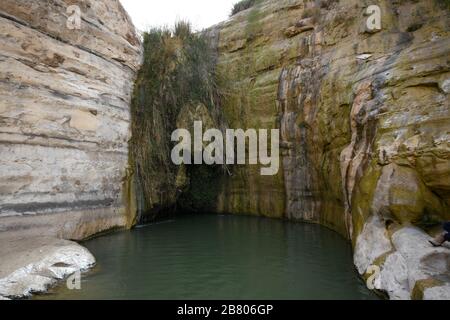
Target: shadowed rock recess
point(364, 120)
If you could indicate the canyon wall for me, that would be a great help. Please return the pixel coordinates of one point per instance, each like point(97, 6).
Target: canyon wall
point(364, 117)
point(64, 117)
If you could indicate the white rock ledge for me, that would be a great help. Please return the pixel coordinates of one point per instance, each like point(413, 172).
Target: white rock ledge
point(32, 265)
point(409, 259)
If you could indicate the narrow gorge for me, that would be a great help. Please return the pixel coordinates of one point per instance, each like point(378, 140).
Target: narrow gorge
point(86, 118)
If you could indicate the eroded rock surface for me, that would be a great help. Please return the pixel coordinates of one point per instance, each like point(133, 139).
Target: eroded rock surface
point(364, 120)
point(32, 265)
point(64, 116)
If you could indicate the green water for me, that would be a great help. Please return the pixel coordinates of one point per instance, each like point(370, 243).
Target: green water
point(220, 257)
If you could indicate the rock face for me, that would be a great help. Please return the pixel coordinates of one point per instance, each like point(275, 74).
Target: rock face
point(64, 116)
point(364, 117)
point(31, 265)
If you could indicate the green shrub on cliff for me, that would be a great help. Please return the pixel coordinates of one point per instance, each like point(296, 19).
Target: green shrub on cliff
point(243, 5)
point(182, 30)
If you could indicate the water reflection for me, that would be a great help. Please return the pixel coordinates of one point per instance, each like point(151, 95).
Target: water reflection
point(220, 257)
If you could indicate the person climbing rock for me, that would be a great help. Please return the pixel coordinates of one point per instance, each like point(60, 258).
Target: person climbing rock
point(443, 237)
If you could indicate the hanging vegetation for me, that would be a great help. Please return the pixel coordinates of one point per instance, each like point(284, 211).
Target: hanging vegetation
point(178, 69)
point(243, 5)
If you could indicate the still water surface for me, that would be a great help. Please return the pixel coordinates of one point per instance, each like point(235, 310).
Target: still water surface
point(220, 257)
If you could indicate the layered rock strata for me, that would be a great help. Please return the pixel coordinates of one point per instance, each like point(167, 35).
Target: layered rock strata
point(64, 116)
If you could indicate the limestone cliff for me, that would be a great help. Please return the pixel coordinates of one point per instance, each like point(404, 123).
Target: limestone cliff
point(64, 116)
point(364, 120)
